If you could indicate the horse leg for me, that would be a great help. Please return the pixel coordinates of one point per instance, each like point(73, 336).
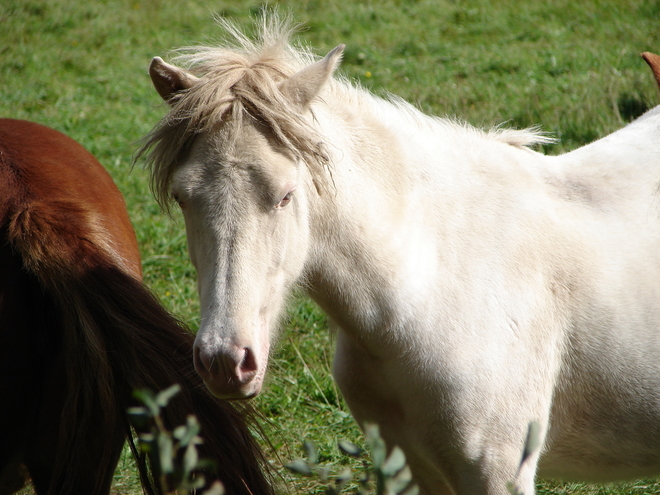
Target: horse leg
point(14, 430)
point(490, 478)
point(89, 474)
point(19, 392)
point(476, 455)
point(482, 476)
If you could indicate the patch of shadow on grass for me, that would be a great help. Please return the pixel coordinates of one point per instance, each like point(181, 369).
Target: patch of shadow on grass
point(631, 106)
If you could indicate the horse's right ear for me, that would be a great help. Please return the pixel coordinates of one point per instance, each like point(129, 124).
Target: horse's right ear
point(169, 79)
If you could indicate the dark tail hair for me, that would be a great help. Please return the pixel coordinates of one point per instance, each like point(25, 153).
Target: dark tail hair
point(113, 336)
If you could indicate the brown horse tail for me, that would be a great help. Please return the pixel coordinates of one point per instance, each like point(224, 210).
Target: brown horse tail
point(154, 352)
point(116, 337)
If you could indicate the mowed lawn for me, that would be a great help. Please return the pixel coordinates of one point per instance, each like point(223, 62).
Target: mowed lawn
point(572, 67)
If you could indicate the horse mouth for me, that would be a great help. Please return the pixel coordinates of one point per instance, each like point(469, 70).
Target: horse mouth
point(232, 392)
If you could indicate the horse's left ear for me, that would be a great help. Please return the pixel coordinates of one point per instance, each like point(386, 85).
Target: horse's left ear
point(169, 79)
point(654, 62)
point(304, 86)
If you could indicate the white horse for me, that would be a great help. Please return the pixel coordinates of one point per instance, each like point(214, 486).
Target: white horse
point(476, 285)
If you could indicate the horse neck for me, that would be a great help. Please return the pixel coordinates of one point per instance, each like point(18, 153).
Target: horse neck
point(406, 191)
point(358, 249)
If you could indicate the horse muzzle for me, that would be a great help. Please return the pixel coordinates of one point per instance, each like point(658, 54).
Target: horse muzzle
point(232, 373)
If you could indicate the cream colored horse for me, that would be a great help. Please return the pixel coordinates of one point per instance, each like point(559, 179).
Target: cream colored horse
point(476, 285)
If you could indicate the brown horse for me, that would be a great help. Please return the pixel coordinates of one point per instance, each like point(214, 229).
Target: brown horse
point(79, 331)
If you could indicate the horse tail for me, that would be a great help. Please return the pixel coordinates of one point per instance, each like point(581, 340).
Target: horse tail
point(117, 337)
point(106, 334)
point(653, 62)
point(84, 430)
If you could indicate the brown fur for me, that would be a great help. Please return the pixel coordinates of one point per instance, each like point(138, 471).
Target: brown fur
point(654, 62)
point(79, 331)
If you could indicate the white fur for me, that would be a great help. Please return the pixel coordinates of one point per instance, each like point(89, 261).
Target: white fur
point(476, 285)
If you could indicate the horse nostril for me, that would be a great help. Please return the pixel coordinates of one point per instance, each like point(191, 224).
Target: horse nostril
point(249, 361)
point(231, 372)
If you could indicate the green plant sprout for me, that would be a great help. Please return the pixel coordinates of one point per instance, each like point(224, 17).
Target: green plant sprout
point(173, 455)
point(385, 475)
point(176, 463)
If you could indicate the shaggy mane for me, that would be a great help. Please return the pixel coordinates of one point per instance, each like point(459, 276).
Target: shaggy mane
point(238, 82)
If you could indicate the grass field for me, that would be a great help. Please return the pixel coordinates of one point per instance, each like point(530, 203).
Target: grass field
point(81, 67)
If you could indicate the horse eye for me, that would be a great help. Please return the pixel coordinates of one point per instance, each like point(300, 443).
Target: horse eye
point(176, 198)
point(285, 200)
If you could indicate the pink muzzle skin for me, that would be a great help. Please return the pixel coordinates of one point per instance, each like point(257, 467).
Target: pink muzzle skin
point(232, 374)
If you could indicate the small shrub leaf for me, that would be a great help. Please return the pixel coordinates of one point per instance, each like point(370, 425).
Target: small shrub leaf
point(180, 432)
point(310, 452)
point(147, 438)
point(188, 434)
point(323, 473)
point(194, 484)
point(412, 490)
point(164, 396)
point(190, 459)
point(145, 445)
point(513, 488)
point(139, 417)
point(398, 483)
point(349, 448)
point(299, 466)
point(166, 450)
point(343, 478)
point(216, 488)
point(376, 444)
point(136, 411)
point(533, 441)
point(193, 423)
point(148, 398)
point(394, 463)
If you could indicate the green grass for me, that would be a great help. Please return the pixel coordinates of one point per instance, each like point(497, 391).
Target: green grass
point(80, 67)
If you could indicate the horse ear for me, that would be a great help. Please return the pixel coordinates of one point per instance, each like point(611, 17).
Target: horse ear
point(304, 86)
point(168, 79)
point(654, 62)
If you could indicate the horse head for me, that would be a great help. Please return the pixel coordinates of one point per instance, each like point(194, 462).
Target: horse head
point(241, 170)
